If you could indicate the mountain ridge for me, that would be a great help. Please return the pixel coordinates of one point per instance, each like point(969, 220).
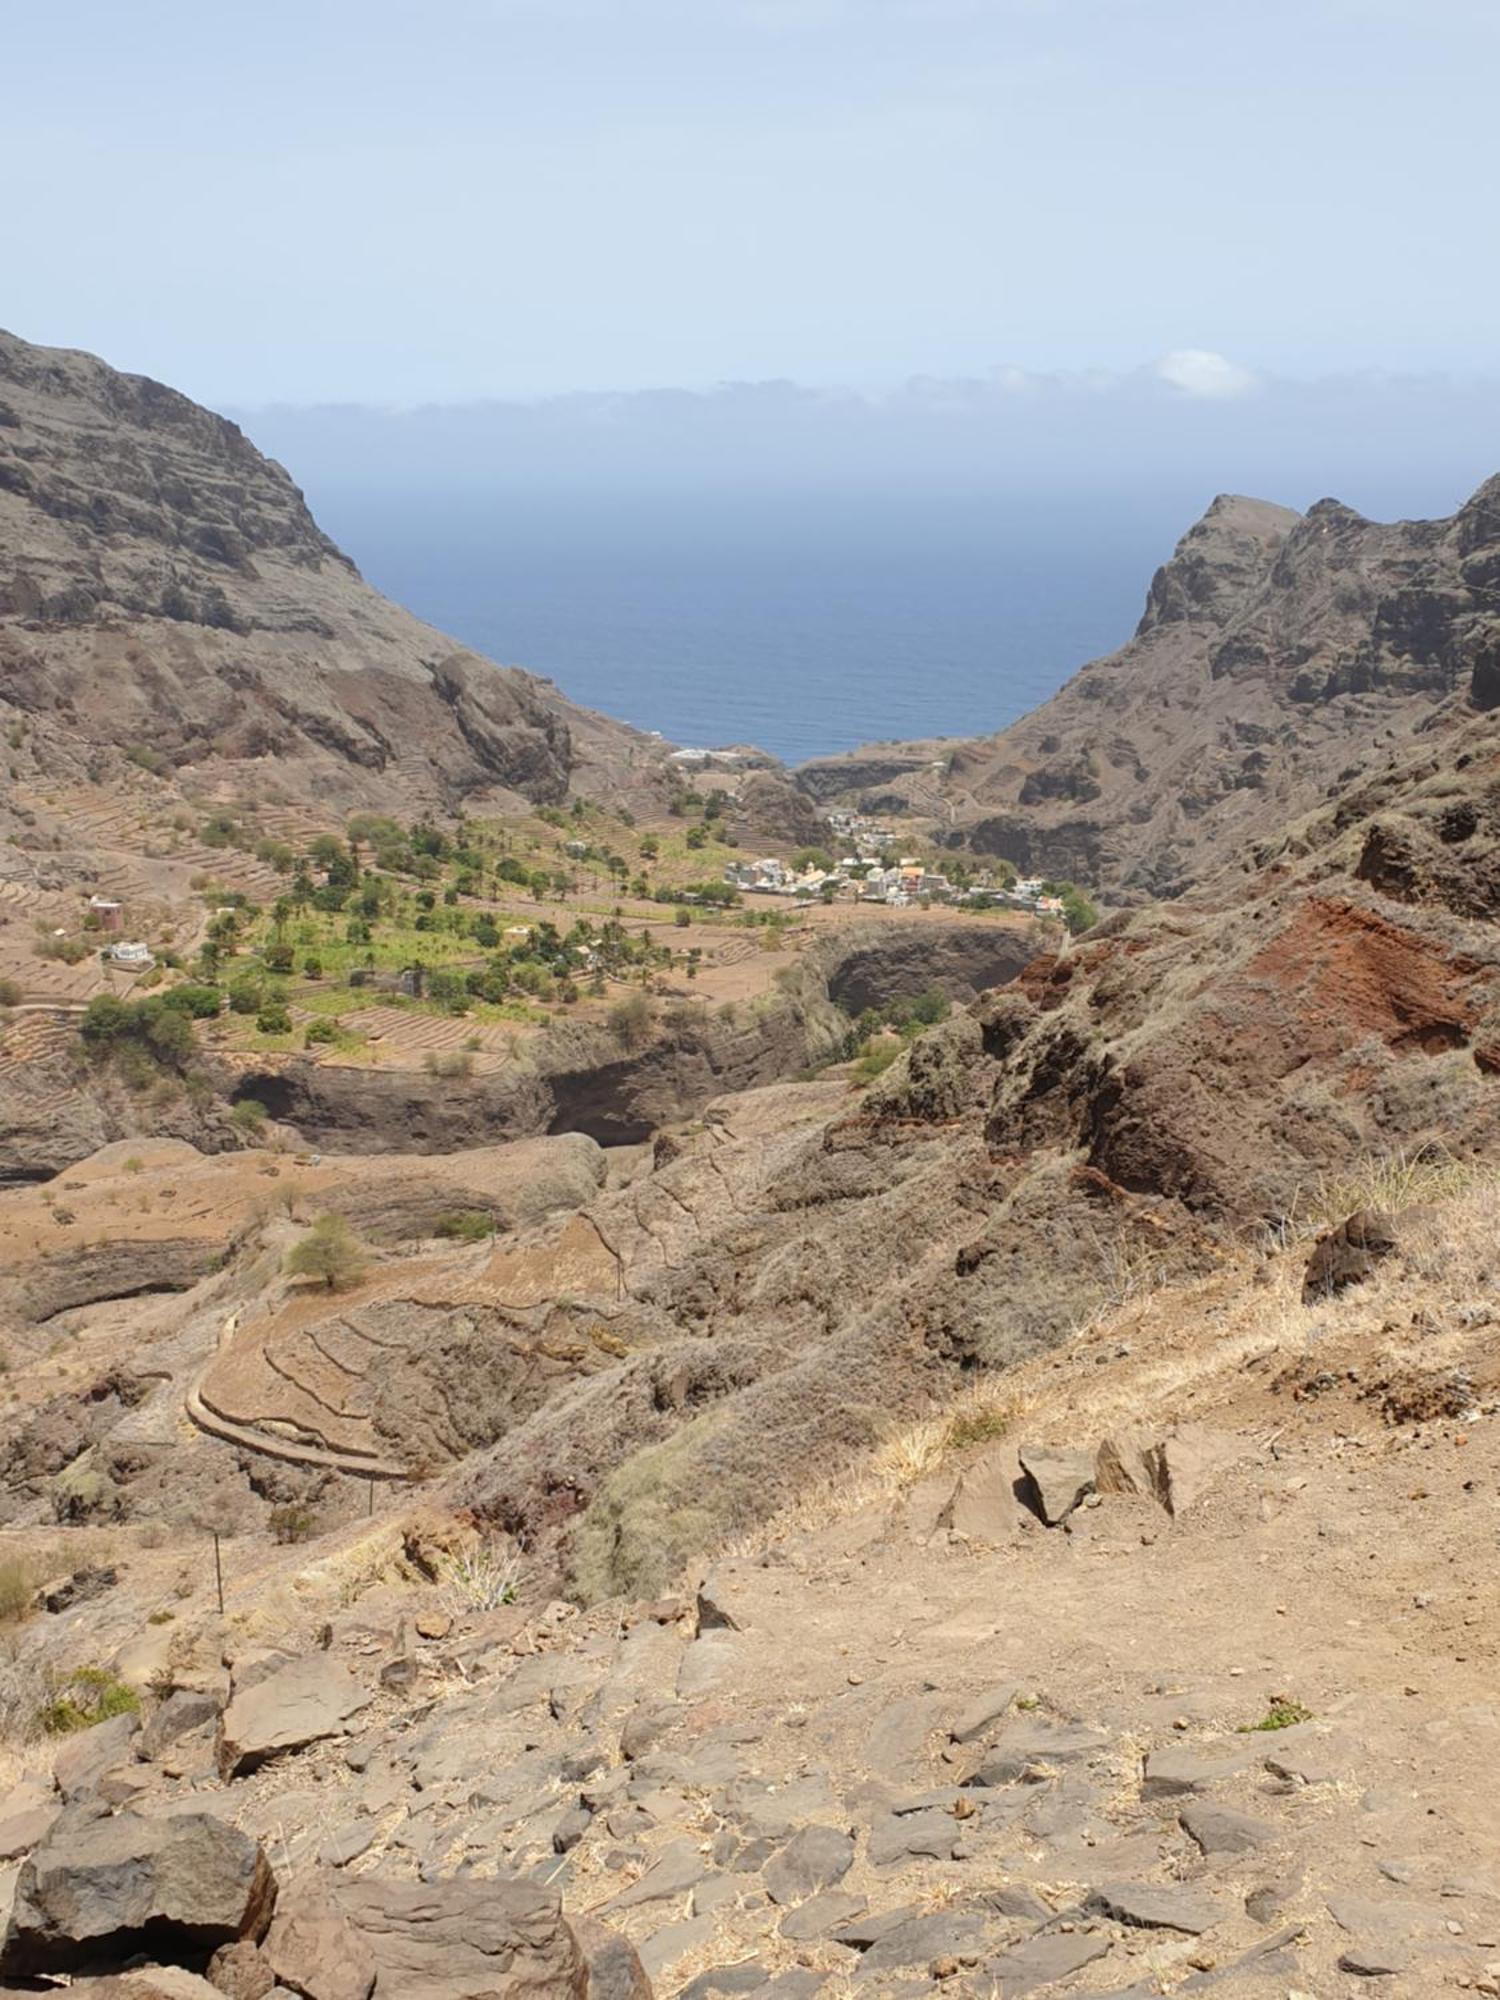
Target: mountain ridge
point(1278, 656)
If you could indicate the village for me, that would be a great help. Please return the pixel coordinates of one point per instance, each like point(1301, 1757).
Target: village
point(868, 874)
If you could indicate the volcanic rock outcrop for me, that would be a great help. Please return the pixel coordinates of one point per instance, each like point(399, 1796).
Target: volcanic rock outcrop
point(164, 590)
point(1280, 658)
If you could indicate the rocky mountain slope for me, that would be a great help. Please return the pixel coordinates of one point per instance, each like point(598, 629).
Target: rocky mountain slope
point(165, 592)
point(1279, 658)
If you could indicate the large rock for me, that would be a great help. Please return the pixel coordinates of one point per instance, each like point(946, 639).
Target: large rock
point(1347, 1255)
point(301, 1704)
point(467, 1939)
point(615, 1969)
point(814, 1859)
point(1182, 1465)
point(1056, 1480)
point(313, 1948)
point(84, 1759)
point(101, 1890)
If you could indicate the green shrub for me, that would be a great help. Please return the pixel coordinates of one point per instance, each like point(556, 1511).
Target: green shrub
point(320, 1031)
point(330, 1252)
point(248, 1117)
point(10, 993)
point(1283, 1713)
point(465, 1225)
point(87, 1696)
point(247, 996)
point(274, 1019)
point(203, 1003)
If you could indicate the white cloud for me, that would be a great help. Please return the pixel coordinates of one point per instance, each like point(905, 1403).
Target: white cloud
point(1198, 371)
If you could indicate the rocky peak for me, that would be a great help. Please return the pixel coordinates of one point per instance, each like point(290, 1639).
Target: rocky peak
point(1221, 557)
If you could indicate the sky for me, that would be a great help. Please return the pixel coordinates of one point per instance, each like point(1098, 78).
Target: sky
point(308, 202)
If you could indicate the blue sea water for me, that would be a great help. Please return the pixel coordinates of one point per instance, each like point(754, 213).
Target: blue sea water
point(803, 624)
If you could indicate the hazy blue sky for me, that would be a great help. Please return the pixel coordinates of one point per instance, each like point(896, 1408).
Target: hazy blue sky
point(310, 200)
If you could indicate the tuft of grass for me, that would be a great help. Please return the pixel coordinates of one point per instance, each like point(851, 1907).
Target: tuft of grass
point(16, 1588)
point(1392, 1182)
point(479, 1579)
point(1283, 1713)
point(981, 1414)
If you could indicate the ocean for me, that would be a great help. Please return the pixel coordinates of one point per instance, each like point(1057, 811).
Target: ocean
point(804, 624)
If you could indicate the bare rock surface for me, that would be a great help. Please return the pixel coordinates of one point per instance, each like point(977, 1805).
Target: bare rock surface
point(288, 1709)
point(102, 1889)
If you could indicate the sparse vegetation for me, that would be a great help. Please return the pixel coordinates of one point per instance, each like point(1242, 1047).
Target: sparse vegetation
point(1283, 1713)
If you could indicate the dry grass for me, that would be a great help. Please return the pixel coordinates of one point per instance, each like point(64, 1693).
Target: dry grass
point(1392, 1182)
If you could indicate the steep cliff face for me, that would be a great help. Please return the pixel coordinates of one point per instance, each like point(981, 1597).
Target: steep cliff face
point(1279, 655)
point(164, 587)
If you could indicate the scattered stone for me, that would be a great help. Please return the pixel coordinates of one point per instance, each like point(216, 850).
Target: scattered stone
point(920, 1940)
point(1056, 1480)
point(976, 1716)
point(28, 1815)
point(814, 1859)
point(433, 1625)
point(897, 1742)
point(722, 1982)
point(1266, 1902)
point(570, 1829)
point(821, 1915)
point(708, 1662)
point(1120, 1464)
point(240, 1971)
point(1156, 1906)
point(183, 1711)
point(303, 1703)
point(1042, 1960)
point(905, 1836)
point(1372, 1960)
point(1033, 1740)
point(1178, 1769)
point(678, 1868)
point(82, 1760)
point(674, 1941)
point(347, 1844)
point(1302, 1757)
point(646, 1725)
point(1222, 1830)
point(869, 1929)
point(112, 1886)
